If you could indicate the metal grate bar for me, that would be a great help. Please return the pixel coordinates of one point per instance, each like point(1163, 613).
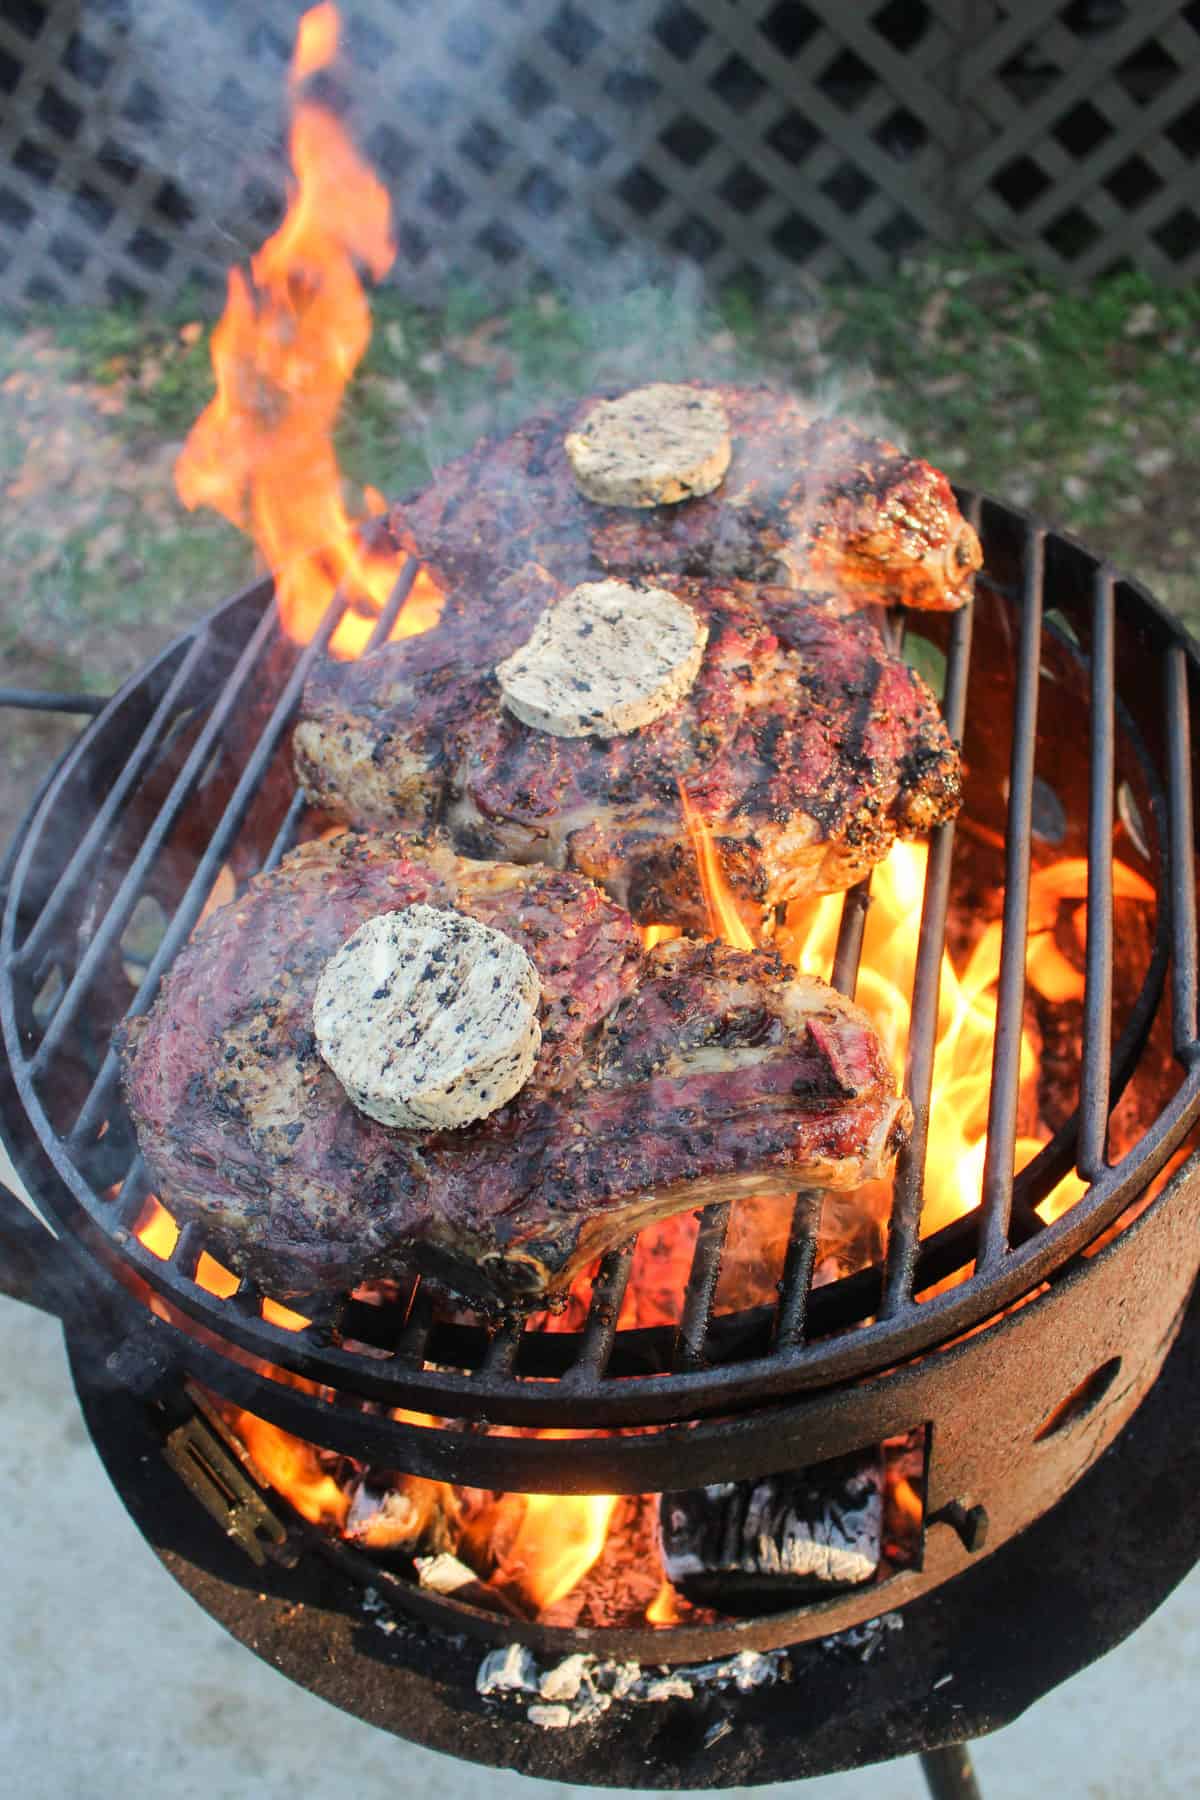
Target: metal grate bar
point(801, 1255)
point(714, 1220)
point(247, 1298)
point(1010, 992)
point(83, 859)
point(600, 1327)
point(127, 895)
point(1182, 871)
point(134, 1190)
point(1096, 1052)
point(227, 828)
point(798, 1265)
point(185, 1257)
point(908, 1193)
point(401, 589)
point(702, 1286)
point(500, 1358)
point(285, 837)
point(848, 952)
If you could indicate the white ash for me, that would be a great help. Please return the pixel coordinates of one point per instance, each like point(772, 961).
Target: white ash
point(582, 1688)
point(444, 1574)
point(389, 1520)
point(787, 1526)
point(378, 1611)
point(866, 1640)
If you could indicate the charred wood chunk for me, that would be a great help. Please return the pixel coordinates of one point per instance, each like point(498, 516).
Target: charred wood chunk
point(748, 1547)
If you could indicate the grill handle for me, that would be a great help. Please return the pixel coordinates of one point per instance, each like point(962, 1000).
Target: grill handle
point(33, 1266)
point(33, 700)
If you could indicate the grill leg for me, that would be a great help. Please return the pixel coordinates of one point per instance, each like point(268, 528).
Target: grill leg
point(949, 1773)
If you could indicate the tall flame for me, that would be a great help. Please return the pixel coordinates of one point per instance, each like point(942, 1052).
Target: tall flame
point(288, 343)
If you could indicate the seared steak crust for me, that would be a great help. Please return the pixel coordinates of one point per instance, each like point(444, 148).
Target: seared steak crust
point(806, 502)
point(804, 744)
point(666, 1079)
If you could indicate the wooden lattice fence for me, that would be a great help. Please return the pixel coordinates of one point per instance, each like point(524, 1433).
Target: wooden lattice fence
point(141, 140)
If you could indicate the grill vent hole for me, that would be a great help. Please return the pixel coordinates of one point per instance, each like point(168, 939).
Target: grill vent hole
point(1080, 1401)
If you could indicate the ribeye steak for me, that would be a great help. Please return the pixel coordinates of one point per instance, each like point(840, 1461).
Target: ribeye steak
point(804, 743)
point(806, 502)
point(665, 1079)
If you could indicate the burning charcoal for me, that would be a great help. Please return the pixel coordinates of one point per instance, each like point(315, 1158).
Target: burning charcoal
point(762, 1546)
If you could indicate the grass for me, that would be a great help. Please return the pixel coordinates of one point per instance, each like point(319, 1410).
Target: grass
point(1083, 407)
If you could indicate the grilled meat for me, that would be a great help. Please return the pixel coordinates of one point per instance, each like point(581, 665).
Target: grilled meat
point(805, 745)
point(806, 502)
point(665, 1079)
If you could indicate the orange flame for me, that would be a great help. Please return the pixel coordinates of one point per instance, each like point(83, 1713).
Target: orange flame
point(724, 919)
point(155, 1229)
point(215, 1277)
point(664, 1609)
point(907, 1500)
point(295, 1469)
point(290, 339)
point(316, 41)
point(557, 1539)
point(967, 1008)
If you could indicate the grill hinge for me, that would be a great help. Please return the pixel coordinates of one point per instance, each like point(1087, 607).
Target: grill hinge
point(225, 1491)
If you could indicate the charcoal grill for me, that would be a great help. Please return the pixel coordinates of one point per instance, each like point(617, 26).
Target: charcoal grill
point(1074, 694)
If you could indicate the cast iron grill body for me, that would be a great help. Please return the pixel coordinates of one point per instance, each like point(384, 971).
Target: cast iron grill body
point(187, 770)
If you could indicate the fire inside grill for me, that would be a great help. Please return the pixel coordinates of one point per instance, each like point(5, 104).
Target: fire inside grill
point(1051, 1089)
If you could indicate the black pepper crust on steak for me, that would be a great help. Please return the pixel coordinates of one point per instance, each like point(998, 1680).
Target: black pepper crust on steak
point(805, 745)
point(666, 1079)
point(806, 502)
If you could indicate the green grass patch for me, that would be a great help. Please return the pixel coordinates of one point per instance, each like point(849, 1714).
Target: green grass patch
point(1083, 406)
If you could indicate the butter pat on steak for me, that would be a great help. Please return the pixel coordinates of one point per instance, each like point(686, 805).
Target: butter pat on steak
point(608, 659)
point(654, 446)
point(665, 1079)
point(428, 1018)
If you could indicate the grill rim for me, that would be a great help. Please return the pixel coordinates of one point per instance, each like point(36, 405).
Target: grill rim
point(596, 1400)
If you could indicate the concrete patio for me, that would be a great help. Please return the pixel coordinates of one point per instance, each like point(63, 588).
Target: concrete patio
point(116, 1685)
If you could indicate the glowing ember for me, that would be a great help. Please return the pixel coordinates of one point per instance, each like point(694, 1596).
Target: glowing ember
point(289, 341)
